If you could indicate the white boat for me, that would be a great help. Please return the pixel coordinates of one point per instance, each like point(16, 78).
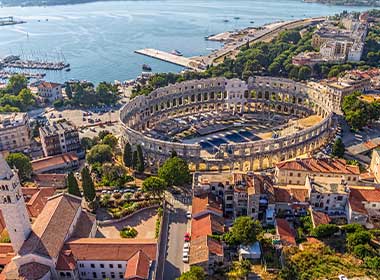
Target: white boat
point(176, 52)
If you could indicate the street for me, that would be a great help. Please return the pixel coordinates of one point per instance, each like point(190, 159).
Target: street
point(173, 266)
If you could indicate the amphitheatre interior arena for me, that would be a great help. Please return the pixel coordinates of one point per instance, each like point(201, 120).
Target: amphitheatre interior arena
point(220, 124)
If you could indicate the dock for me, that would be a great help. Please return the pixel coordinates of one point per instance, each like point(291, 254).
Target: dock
point(172, 58)
point(9, 21)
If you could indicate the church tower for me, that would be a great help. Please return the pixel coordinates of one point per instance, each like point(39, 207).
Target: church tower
point(12, 206)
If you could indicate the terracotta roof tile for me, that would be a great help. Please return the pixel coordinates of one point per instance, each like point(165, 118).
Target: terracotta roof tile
point(66, 261)
point(32, 271)
point(290, 195)
point(323, 165)
point(286, 233)
point(319, 218)
point(110, 249)
point(52, 226)
point(206, 225)
point(40, 165)
point(38, 201)
point(206, 202)
point(84, 225)
point(202, 247)
point(138, 266)
point(48, 85)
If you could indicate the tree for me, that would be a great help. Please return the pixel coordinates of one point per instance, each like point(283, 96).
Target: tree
point(99, 153)
point(22, 164)
point(358, 237)
point(26, 98)
point(154, 185)
point(134, 159)
point(86, 143)
point(103, 133)
point(338, 148)
point(325, 230)
point(240, 270)
point(175, 171)
point(16, 83)
point(304, 73)
point(244, 231)
point(72, 185)
point(68, 91)
point(363, 250)
point(127, 155)
point(195, 273)
point(110, 140)
point(140, 159)
point(88, 185)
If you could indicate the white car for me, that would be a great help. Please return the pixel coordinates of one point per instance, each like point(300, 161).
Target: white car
point(342, 277)
point(185, 259)
point(188, 214)
point(186, 248)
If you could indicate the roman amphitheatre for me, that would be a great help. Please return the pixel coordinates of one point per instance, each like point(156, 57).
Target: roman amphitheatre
point(218, 124)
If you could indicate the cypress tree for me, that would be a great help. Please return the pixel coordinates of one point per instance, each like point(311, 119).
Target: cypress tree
point(72, 185)
point(88, 185)
point(127, 156)
point(140, 159)
point(134, 160)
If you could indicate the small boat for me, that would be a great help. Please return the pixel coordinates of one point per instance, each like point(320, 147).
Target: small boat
point(68, 70)
point(252, 21)
point(176, 52)
point(226, 20)
point(146, 67)
point(236, 18)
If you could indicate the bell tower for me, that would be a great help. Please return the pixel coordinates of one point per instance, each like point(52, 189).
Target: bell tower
point(12, 206)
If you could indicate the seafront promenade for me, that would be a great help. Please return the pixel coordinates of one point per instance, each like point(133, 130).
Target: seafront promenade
point(200, 63)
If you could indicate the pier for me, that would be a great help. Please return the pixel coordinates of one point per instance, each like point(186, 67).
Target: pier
point(172, 58)
point(14, 61)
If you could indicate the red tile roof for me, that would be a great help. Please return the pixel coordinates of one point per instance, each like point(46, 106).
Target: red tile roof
point(51, 180)
point(202, 247)
point(138, 266)
point(206, 202)
point(358, 196)
point(290, 195)
point(206, 225)
point(66, 261)
point(48, 85)
point(286, 233)
point(323, 165)
point(52, 226)
point(110, 249)
point(33, 271)
point(319, 218)
point(38, 200)
point(40, 165)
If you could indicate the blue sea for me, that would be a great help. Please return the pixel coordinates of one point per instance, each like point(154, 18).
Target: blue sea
point(99, 39)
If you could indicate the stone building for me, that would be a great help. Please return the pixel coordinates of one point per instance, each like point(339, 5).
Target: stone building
point(15, 132)
point(49, 92)
point(58, 138)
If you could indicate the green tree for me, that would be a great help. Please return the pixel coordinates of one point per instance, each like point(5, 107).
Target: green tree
point(22, 164)
point(127, 155)
point(72, 185)
point(134, 159)
point(239, 270)
point(325, 230)
point(88, 185)
point(87, 143)
point(304, 73)
point(68, 91)
point(244, 231)
point(154, 185)
point(103, 133)
point(175, 171)
point(110, 140)
point(195, 273)
point(363, 250)
point(26, 98)
point(16, 83)
point(140, 159)
point(99, 153)
point(358, 237)
point(338, 148)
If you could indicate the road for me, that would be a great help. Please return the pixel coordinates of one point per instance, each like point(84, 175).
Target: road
point(173, 266)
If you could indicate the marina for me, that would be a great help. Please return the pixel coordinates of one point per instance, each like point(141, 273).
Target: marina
point(4, 75)
point(14, 61)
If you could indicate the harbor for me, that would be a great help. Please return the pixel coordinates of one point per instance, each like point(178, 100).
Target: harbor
point(4, 75)
point(14, 61)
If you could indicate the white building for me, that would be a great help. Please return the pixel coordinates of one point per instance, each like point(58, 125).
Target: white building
point(49, 92)
point(15, 133)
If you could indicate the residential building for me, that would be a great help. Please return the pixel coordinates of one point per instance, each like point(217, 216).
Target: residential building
point(294, 172)
point(59, 138)
point(15, 132)
point(49, 92)
point(58, 181)
point(364, 206)
point(207, 253)
point(375, 164)
point(57, 163)
point(329, 195)
point(285, 233)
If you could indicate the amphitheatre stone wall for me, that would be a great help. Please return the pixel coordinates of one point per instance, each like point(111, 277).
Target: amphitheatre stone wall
point(259, 94)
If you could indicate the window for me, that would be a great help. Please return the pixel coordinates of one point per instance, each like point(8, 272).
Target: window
point(104, 275)
point(102, 265)
point(62, 274)
point(121, 275)
point(291, 174)
point(111, 265)
point(83, 273)
point(81, 265)
point(374, 205)
point(119, 265)
point(299, 174)
point(113, 275)
point(92, 265)
point(94, 275)
point(340, 198)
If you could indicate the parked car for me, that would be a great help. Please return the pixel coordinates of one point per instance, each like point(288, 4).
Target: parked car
point(188, 214)
point(342, 277)
point(187, 237)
